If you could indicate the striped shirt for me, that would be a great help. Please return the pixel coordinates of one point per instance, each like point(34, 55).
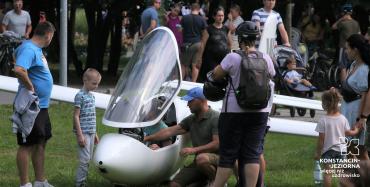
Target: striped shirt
point(86, 102)
point(260, 15)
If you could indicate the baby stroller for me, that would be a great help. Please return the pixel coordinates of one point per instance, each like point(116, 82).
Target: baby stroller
point(281, 54)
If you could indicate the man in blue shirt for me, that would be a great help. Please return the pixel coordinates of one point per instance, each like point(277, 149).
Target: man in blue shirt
point(149, 18)
point(33, 73)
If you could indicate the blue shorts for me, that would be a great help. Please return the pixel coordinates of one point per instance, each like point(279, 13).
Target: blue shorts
point(241, 137)
point(331, 154)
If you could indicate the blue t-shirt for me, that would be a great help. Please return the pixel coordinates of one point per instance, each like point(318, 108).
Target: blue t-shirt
point(86, 102)
point(148, 15)
point(30, 57)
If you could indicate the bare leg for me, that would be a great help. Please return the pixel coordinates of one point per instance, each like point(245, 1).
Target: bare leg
point(22, 163)
point(251, 174)
point(262, 168)
point(236, 169)
point(194, 72)
point(327, 176)
point(174, 184)
point(38, 157)
point(343, 74)
point(363, 153)
point(222, 176)
point(205, 165)
point(306, 82)
point(183, 71)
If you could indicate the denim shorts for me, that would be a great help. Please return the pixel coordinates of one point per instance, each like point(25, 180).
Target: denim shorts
point(331, 154)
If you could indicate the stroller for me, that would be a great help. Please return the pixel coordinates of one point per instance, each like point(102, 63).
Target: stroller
point(281, 54)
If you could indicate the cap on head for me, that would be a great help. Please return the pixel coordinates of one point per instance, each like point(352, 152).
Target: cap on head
point(247, 29)
point(194, 93)
point(347, 8)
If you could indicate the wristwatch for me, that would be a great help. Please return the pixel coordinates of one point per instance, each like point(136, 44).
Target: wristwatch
point(363, 116)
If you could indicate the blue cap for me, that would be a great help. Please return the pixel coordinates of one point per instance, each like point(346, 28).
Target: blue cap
point(194, 93)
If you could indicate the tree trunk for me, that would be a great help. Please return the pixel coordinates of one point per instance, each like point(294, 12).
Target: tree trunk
point(72, 54)
point(116, 39)
point(90, 12)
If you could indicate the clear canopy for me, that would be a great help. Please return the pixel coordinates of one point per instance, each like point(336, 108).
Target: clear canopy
point(148, 84)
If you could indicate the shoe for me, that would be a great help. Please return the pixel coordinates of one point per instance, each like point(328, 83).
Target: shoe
point(27, 185)
point(312, 87)
point(42, 184)
point(83, 184)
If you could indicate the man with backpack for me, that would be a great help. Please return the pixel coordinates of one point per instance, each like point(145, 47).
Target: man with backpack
point(244, 116)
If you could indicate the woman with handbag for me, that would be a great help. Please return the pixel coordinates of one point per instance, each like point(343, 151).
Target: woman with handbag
point(354, 89)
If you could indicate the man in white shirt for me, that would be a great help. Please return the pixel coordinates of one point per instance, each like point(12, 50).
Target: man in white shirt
point(17, 20)
point(233, 21)
point(260, 16)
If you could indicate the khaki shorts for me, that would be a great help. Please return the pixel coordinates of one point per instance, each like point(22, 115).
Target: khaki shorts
point(189, 55)
point(191, 174)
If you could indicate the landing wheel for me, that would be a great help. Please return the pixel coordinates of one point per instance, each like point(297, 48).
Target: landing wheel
point(312, 113)
point(292, 111)
point(301, 111)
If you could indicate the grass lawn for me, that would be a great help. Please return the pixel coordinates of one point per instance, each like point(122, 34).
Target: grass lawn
point(289, 157)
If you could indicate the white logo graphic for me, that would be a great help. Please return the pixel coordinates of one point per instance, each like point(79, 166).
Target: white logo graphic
point(354, 142)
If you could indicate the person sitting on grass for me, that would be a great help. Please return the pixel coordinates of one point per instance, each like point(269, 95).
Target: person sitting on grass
point(332, 128)
point(292, 77)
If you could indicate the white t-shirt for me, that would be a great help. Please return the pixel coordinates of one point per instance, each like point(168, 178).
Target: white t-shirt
point(293, 75)
point(236, 22)
point(334, 128)
point(17, 23)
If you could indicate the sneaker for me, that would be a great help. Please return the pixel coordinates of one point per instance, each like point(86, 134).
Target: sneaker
point(27, 185)
point(83, 184)
point(42, 184)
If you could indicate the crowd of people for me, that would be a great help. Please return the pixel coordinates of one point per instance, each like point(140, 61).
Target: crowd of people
point(232, 140)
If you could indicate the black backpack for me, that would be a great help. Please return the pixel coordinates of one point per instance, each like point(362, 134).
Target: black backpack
point(254, 90)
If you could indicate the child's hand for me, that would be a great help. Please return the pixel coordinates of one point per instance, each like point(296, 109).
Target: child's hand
point(81, 140)
point(96, 139)
point(154, 146)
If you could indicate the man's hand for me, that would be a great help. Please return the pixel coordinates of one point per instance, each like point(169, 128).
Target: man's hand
point(81, 140)
point(230, 17)
point(187, 151)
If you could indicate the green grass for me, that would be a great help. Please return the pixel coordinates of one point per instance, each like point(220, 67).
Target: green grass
point(289, 158)
point(81, 23)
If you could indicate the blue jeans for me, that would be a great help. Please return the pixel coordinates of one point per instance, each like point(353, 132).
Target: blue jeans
point(331, 154)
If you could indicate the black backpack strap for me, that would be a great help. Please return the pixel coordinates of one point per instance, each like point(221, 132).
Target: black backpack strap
point(228, 91)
